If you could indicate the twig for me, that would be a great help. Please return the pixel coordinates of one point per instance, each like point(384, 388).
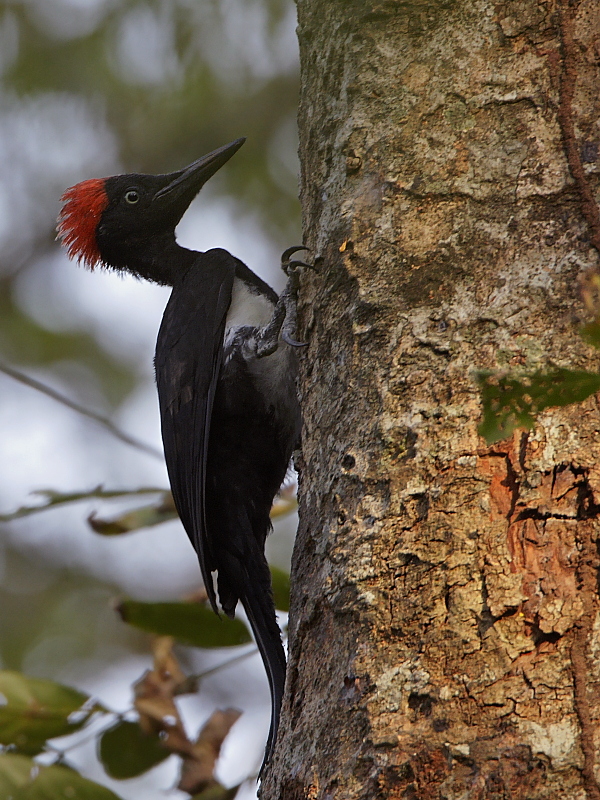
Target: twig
point(223, 665)
point(59, 499)
point(86, 412)
point(61, 752)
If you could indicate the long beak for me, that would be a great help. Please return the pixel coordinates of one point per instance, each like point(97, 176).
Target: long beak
point(192, 178)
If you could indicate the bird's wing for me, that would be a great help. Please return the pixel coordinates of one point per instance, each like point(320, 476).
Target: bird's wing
point(188, 359)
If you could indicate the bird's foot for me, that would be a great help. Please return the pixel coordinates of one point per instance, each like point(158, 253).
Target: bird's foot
point(284, 317)
point(291, 267)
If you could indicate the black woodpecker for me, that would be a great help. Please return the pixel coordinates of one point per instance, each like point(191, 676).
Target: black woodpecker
point(226, 376)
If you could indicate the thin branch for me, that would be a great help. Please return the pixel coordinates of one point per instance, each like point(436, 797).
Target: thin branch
point(59, 499)
point(61, 752)
point(223, 665)
point(86, 412)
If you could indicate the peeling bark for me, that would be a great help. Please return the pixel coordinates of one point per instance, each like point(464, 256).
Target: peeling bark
point(444, 628)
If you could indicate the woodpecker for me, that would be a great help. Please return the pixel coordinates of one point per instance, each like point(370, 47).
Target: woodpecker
point(226, 377)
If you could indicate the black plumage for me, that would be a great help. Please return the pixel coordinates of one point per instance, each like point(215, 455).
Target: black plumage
point(230, 419)
point(228, 437)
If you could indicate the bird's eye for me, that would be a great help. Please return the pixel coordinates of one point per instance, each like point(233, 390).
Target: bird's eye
point(131, 196)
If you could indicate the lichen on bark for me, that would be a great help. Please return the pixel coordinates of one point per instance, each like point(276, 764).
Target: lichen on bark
point(444, 635)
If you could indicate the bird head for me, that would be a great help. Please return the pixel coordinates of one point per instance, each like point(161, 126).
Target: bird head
point(119, 221)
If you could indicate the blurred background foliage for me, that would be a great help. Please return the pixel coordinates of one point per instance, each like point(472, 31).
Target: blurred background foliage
point(90, 88)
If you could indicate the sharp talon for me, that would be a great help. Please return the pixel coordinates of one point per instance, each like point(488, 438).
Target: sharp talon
point(298, 264)
point(292, 342)
point(285, 256)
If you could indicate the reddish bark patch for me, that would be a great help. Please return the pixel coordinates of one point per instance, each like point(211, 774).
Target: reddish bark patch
point(544, 552)
point(542, 511)
point(419, 778)
point(502, 486)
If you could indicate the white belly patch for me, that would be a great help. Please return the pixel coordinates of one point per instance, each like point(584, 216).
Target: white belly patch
point(246, 308)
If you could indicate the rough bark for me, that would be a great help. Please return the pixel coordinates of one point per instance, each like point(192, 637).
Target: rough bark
point(444, 634)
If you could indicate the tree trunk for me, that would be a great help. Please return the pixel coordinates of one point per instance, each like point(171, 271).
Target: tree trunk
point(443, 636)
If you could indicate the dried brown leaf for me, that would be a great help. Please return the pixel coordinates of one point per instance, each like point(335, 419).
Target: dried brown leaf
point(197, 770)
point(154, 698)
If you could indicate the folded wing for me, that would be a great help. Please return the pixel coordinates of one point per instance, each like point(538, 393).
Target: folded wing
point(189, 352)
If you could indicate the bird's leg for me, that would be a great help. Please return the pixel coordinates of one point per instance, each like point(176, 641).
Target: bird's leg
point(284, 316)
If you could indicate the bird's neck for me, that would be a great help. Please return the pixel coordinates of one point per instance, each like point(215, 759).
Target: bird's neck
point(164, 261)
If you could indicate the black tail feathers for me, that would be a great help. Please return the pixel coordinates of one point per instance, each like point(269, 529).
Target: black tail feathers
point(268, 638)
point(256, 596)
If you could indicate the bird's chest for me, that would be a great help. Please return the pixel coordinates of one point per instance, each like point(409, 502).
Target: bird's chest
point(247, 308)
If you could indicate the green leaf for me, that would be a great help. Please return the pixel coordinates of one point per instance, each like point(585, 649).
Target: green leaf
point(143, 517)
point(58, 783)
point(510, 403)
point(22, 779)
point(281, 588)
point(217, 792)
point(33, 710)
point(15, 771)
point(189, 623)
point(126, 751)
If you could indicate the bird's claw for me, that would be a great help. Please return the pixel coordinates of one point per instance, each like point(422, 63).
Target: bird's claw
point(292, 268)
point(292, 342)
point(283, 322)
point(289, 266)
point(287, 254)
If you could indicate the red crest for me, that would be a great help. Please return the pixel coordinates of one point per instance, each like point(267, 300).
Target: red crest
point(78, 220)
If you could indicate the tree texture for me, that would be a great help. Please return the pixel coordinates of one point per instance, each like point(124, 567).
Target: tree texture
point(443, 627)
